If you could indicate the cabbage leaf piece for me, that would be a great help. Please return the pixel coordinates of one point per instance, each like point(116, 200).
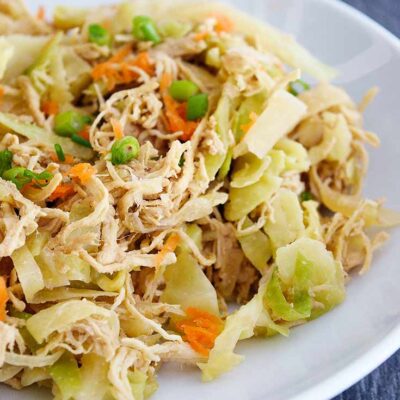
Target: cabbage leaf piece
point(38, 135)
point(324, 276)
point(62, 315)
point(287, 223)
point(270, 127)
point(248, 169)
point(6, 54)
point(28, 271)
point(187, 285)
point(244, 200)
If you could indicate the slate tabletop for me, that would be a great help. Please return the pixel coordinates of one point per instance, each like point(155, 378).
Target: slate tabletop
point(383, 383)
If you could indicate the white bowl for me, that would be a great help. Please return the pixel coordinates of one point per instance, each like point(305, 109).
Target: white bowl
point(324, 357)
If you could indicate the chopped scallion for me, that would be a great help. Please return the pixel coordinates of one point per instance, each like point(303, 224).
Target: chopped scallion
point(99, 35)
point(145, 29)
point(5, 161)
point(68, 123)
point(197, 107)
point(124, 150)
point(80, 140)
point(183, 90)
point(297, 87)
point(60, 152)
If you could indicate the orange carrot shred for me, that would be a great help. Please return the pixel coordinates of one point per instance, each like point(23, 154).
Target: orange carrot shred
point(2, 93)
point(83, 172)
point(200, 36)
point(3, 298)
point(253, 118)
point(224, 23)
point(41, 13)
point(84, 133)
point(200, 329)
point(50, 107)
point(170, 245)
point(117, 128)
point(62, 191)
point(68, 158)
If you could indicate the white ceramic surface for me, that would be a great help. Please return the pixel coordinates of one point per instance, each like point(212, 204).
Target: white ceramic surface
point(323, 358)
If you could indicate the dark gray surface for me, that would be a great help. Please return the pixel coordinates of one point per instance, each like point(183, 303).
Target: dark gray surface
point(383, 383)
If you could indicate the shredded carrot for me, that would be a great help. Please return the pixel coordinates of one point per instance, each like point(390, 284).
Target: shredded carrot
point(117, 128)
point(85, 132)
point(50, 107)
point(201, 329)
point(170, 245)
point(2, 93)
point(224, 23)
point(176, 112)
point(69, 159)
point(200, 36)
point(253, 118)
point(83, 172)
point(117, 71)
point(3, 298)
point(63, 191)
point(41, 13)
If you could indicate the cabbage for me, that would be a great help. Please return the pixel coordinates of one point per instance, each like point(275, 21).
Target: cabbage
point(37, 241)
point(213, 162)
point(226, 166)
point(187, 285)
point(196, 234)
point(142, 387)
point(255, 104)
point(66, 17)
point(26, 49)
point(325, 276)
point(6, 54)
point(94, 380)
point(31, 376)
point(238, 326)
point(244, 200)
point(256, 247)
point(62, 315)
point(296, 156)
point(28, 271)
point(113, 283)
point(67, 376)
point(51, 273)
point(248, 170)
point(270, 127)
point(41, 136)
point(174, 29)
point(66, 293)
point(285, 224)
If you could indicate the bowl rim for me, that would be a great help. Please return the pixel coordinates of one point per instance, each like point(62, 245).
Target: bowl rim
point(386, 347)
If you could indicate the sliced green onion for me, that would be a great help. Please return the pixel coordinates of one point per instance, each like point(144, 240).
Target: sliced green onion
point(197, 107)
point(5, 161)
point(80, 140)
point(60, 152)
point(99, 35)
point(68, 123)
point(21, 176)
point(181, 162)
point(124, 150)
point(183, 90)
point(145, 29)
point(297, 87)
point(306, 196)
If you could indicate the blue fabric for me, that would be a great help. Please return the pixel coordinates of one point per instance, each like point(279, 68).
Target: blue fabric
point(383, 383)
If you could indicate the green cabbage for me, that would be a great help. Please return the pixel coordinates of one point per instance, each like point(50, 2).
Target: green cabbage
point(94, 382)
point(6, 54)
point(67, 293)
point(42, 137)
point(248, 170)
point(67, 376)
point(187, 285)
point(66, 17)
point(244, 200)
point(256, 247)
point(28, 271)
point(296, 156)
point(62, 315)
point(286, 222)
point(312, 220)
point(142, 387)
point(113, 283)
point(325, 280)
point(238, 326)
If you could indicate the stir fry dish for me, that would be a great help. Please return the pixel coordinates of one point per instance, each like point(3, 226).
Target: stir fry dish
point(170, 185)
